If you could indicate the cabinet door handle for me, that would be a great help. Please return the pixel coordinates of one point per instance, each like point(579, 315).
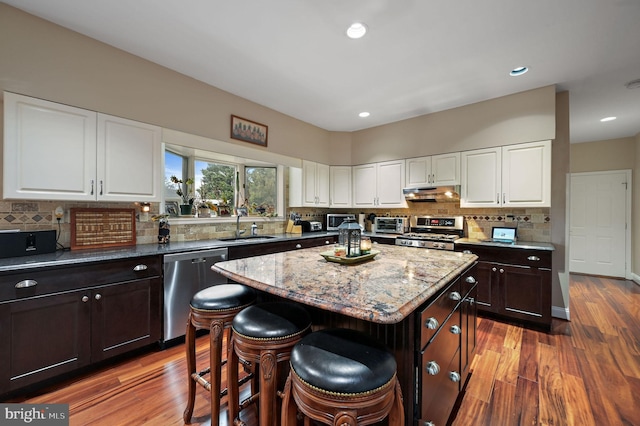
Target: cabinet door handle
point(432, 368)
point(428, 424)
point(101, 188)
point(494, 269)
point(534, 258)
point(467, 251)
point(298, 246)
point(92, 186)
point(498, 198)
point(98, 296)
point(504, 198)
point(470, 280)
point(455, 329)
point(454, 295)
point(501, 271)
point(470, 300)
point(85, 299)
point(26, 284)
point(432, 323)
point(454, 376)
point(140, 267)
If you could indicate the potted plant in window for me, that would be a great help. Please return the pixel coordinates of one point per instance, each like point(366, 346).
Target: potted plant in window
point(184, 191)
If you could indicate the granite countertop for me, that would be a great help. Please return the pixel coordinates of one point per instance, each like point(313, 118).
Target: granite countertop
point(517, 245)
point(383, 290)
point(74, 257)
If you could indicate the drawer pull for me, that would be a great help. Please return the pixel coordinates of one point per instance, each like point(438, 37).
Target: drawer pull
point(432, 323)
point(533, 258)
point(467, 252)
point(27, 284)
point(470, 280)
point(98, 296)
point(85, 299)
point(494, 269)
point(432, 368)
point(454, 376)
point(428, 424)
point(501, 271)
point(298, 246)
point(454, 295)
point(140, 267)
point(455, 329)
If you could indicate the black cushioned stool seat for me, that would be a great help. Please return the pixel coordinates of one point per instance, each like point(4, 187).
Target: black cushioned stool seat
point(342, 376)
point(212, 308)
point(262, 338)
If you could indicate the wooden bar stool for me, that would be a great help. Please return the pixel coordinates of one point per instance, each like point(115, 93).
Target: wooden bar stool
point(342, 377)
point(262, 338)
point(212, 308)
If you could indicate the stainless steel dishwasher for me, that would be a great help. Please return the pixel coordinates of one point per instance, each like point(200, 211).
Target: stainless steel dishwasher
point(184, 275)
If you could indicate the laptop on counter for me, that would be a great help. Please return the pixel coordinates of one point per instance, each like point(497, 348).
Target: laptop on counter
point(503, 235)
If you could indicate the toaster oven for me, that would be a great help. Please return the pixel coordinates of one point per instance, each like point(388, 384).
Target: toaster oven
point(391, 225)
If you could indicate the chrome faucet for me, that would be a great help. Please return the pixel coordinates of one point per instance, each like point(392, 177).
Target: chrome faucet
point(238, 230)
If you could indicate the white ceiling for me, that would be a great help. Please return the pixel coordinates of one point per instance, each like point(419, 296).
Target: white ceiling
point(419, 56)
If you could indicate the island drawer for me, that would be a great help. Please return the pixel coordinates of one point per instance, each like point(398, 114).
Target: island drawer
point(42, 281)
point(509, 255)
point(437, 312)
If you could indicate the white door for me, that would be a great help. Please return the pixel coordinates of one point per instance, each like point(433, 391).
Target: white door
point(598, 229)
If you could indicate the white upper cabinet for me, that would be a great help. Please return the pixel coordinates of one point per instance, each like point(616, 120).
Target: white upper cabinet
point(435, 170)
point(379, 184)
point(513, 175)
point(129, 166)
point(340, 186)
point(58, 152)
point(309, 186)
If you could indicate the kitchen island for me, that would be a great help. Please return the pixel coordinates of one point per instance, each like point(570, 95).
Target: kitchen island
point(409, 298)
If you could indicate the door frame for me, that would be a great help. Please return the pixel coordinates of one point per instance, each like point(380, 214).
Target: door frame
point(627, 231)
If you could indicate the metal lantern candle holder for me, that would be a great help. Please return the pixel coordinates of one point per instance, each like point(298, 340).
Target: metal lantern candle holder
point(349, 236)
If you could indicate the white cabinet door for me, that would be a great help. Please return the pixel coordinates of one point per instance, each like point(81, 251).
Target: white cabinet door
point(445, 169)
point(364, 185)
point(340, 184)
point(129, 160)
point(390, 181)
point(309, 186)
point(379, 184)
point(418, 172)
point(436, 170)
point(526, 174)
point(309, 171)
point(322, 185)
point(49, 150)
point(481, 178)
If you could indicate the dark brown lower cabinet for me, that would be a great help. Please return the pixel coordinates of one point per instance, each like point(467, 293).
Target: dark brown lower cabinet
point(514, 284)
point(74, 317)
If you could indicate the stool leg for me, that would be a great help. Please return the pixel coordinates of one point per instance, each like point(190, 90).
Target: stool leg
point(289, 410)
point(268, 387)
point(216, 332)
point(396, 415)
point(191, 369)
point(233, 394)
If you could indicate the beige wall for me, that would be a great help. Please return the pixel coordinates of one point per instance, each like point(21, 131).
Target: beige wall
point(523, 117)
point(613, 154)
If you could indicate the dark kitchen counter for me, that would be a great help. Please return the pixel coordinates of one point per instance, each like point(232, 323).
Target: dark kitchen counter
point(74, 257)
point(531, 245)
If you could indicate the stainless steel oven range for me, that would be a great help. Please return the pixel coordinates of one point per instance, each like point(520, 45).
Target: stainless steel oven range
point(434, 232)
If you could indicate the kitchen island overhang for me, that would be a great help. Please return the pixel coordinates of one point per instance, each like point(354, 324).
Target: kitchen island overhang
point(383, 290)
point(392, 298)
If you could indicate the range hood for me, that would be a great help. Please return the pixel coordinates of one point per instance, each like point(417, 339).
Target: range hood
point(432, 193)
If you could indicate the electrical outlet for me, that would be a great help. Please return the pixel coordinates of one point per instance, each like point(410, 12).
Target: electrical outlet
point(58, 215)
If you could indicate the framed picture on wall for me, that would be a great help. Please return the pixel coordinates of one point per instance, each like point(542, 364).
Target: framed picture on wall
point(248, 131)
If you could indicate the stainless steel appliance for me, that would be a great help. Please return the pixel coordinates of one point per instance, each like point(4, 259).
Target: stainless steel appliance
point(434, 232)
point(432, 194)
point(335, 219)
point(391, 225)
point(311, 226)
point(184, 275)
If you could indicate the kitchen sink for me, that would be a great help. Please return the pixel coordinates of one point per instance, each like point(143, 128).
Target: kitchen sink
point(248, 238)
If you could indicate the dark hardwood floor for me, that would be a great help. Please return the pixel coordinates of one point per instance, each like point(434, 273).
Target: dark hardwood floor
point(584, 372)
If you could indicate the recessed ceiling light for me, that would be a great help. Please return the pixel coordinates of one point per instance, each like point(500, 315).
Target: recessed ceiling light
point(364, 114)
point(518, 71)
point(356, 30)
point(608, 119)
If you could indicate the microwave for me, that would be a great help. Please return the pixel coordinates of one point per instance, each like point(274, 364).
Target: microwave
point(391, 225)
point(335, 219)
